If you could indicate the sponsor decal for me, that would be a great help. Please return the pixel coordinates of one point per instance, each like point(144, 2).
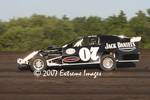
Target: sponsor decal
point(71, 59)
point(70, 51)
point(110, 46)
point(125, 46)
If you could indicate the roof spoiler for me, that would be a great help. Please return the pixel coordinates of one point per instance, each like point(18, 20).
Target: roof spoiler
point(135, 39)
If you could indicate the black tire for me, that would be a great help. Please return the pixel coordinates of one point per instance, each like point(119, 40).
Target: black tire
point(108, 63)
point(34, 66)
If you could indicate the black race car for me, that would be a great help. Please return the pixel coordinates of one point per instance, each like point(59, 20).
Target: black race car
point(105, 50)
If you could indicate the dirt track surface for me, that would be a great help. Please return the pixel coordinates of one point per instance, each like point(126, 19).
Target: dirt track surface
point(126, 83)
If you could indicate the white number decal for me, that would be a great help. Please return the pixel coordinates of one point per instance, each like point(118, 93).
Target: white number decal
point(85, 54)
point(94, 51)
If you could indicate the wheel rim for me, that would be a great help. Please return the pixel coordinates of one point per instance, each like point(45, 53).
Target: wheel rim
point(108, 63)
point(38, 64)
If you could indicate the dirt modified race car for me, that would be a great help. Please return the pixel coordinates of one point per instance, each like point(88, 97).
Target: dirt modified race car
point(105, 50)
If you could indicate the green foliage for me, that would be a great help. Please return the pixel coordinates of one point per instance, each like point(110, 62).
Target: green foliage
point(39, 31)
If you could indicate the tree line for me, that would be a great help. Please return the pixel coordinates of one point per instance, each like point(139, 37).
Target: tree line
point(39, 31)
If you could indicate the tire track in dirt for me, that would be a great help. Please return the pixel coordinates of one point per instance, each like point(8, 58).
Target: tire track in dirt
point(127, 82)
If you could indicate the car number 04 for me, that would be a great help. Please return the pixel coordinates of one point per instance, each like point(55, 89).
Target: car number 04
point(86, 54)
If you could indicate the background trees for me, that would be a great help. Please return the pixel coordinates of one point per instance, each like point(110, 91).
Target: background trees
point(39, 31)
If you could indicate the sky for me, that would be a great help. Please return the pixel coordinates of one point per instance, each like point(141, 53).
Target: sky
point(72, 8)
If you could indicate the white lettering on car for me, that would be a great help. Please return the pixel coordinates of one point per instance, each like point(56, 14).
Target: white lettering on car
point(110, 46)
point(125, 46)
point(86, 54)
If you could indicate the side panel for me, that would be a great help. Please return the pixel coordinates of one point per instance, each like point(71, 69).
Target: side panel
point(85, 54)
point(125, 51)
point(129, 54)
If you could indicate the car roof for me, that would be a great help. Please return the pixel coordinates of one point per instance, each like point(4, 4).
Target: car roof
point(119, 36)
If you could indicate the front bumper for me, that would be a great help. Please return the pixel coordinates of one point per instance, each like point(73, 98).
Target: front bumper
point(24, 63)
point(22, 66)
point(27, 58)
point(21, 61)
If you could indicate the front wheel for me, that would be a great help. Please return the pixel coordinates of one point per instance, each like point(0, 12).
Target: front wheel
point(38, 63)
point(108, 63)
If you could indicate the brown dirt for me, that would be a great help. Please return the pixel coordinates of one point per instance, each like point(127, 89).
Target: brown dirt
point(126, 83)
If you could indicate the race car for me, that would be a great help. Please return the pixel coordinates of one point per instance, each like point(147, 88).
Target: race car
point(105, 50)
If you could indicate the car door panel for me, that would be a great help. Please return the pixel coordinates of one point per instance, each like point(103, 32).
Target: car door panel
point(83, 54)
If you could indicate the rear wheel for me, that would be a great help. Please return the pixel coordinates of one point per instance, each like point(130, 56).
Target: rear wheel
point(38, 63)
point(108, 63)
